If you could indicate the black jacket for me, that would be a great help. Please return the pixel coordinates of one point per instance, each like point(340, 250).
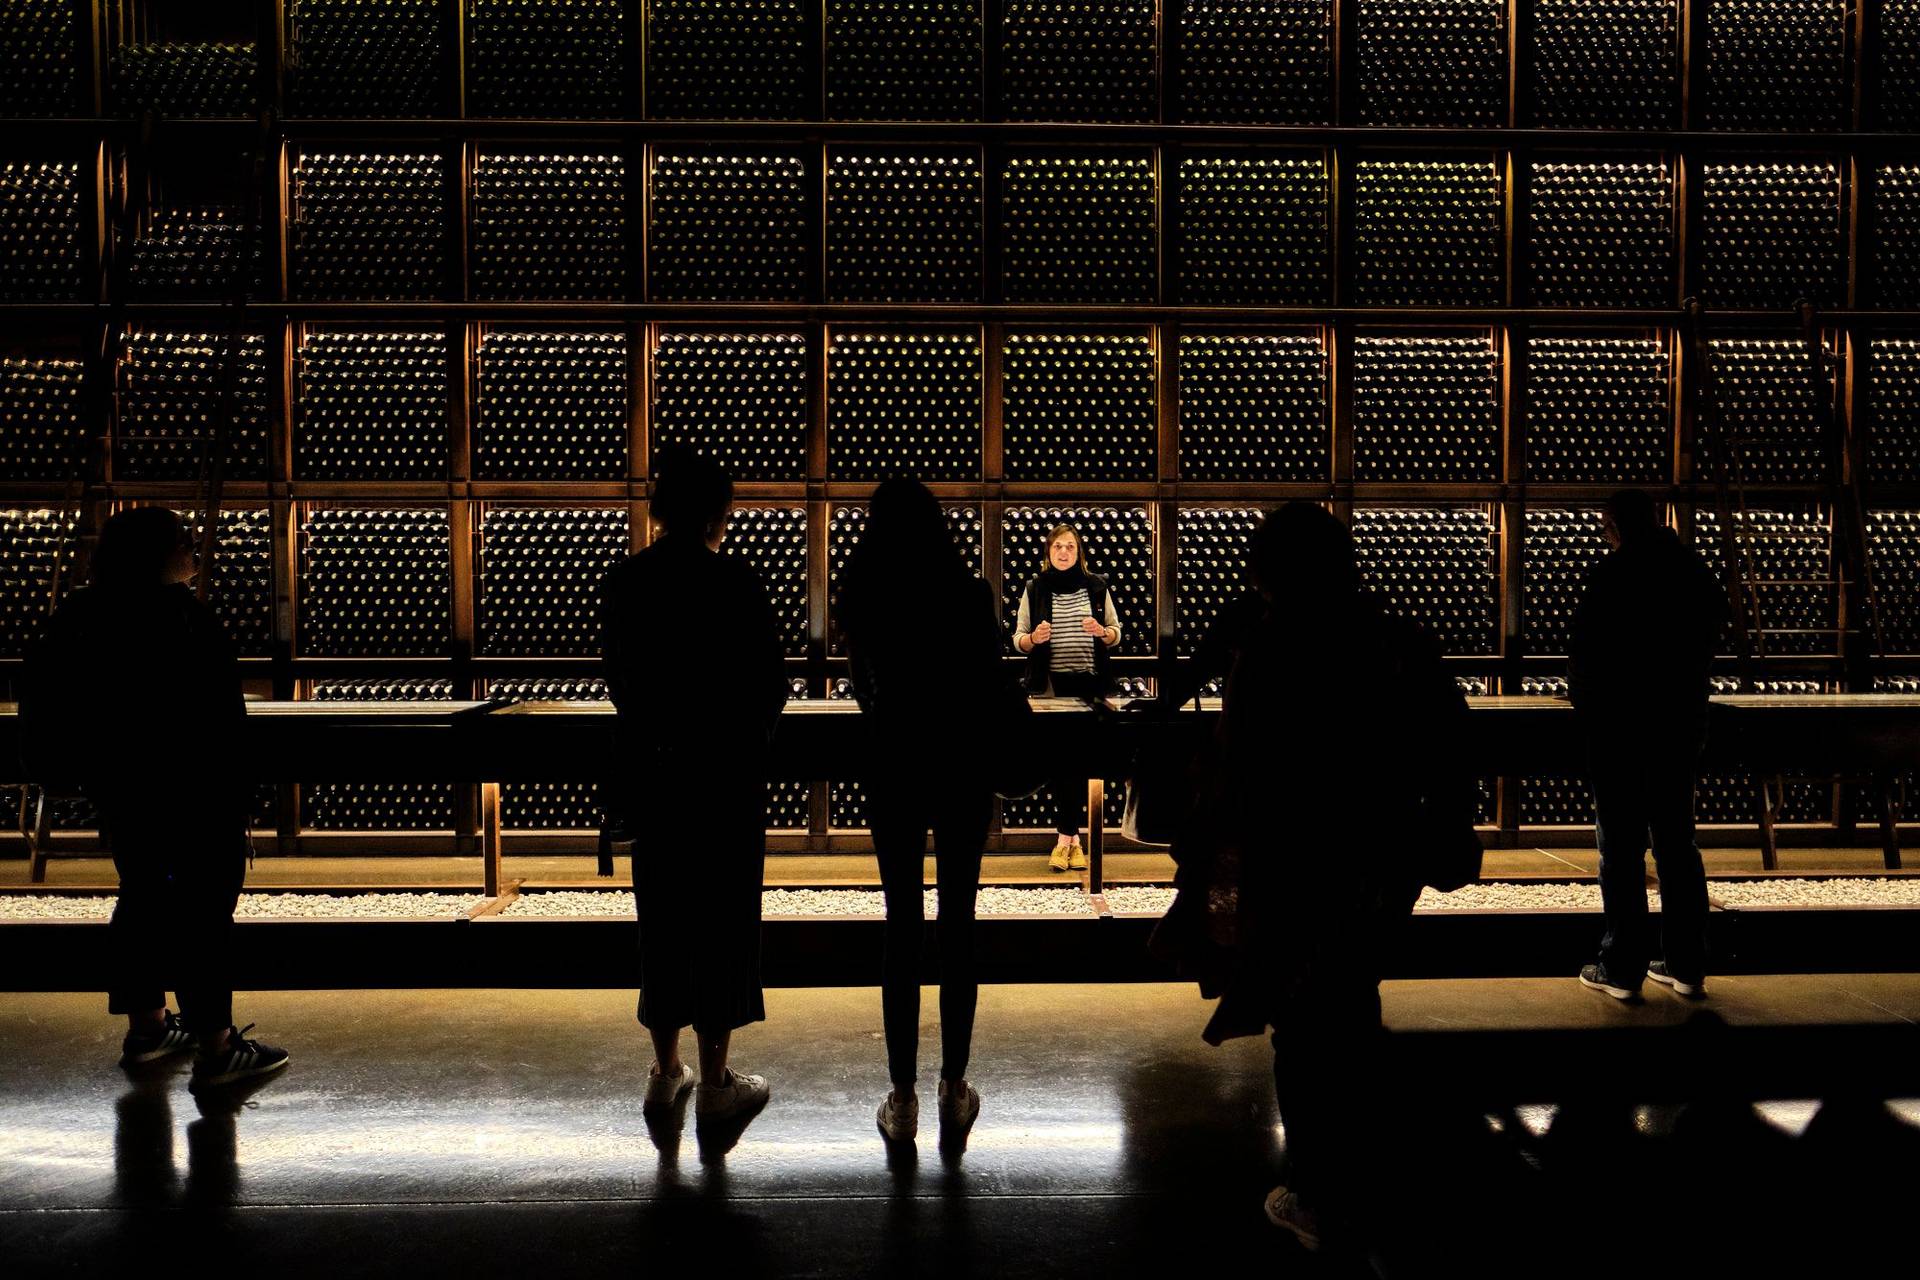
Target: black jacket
point(136, 688)
point(691, 653)
point(1040, 657)
point(1644, 636)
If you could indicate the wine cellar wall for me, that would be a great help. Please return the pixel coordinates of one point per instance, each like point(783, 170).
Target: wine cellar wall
point(454, 271)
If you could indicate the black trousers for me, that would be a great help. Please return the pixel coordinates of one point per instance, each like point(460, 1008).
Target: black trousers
point(1643, 791)
point(172, 927)
point(903, 810)
point(1070, 793)
point(1328, 1073)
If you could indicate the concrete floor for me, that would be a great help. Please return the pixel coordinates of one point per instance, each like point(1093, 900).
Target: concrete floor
point(498, 1132)
point(549, 870)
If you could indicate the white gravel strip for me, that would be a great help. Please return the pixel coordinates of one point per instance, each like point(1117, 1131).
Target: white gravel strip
point(1849, 892)
point(1138, 899)
point(869, 903)
point(261, 906)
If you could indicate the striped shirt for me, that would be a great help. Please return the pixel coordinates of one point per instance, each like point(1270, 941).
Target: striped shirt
point(1072, 648)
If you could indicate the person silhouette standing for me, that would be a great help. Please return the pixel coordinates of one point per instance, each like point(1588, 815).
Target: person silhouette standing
point(135, 690)
point(693, 663)
point(1644, 635)
point(922, 634)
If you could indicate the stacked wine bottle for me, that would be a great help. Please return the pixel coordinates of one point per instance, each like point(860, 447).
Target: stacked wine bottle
point(1255, 61)
point(350, 59)
point(369, 226)
point(209, 253)
point(1071, 61)
point(904, 59)
point(1598, 410)
point(378, 806)
point(240, 588)
point(40, 231)
point(1078, 405)
point(738, 398)
point(552, 406)
point(728, 227)
point(1212, 545)
point(1254, 408)
point(19, 802)
point(1426, 409)
point(1773, 66)
point(1115, 542)
point(40, 58)
point(1787, 557)
point(1899, 104)
point(1606, 64)
point(1770, 428)
point(30, 552)
point(541, 570)
point(550, 225)
point(1896, 231)
point(903, 227)
point(370, 404)
point(1428, 233)
point(1729, 798)
point(1432, 62)
point(1893, 543)
point(1078, 228)
point(186, 79)
point(1601, 234)
point(43, 431)
point(1893, 410)
point(1771, 234)
point(550, 806)
point(1253, 230)
point(375, 583)
point(1434, 566)
point(1037, 812)
point(728, 60)
point(774, 541)
point(848, 524)
point(904, 402)
point(547, 59)
point(1561, 548)
point(177, 391)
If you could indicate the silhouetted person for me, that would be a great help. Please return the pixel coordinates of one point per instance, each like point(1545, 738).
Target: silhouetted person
point(134, 690)
point(1644, 636)
point(1333, 710)
point(1066, 626)
point(922, 632)
point(694, 666)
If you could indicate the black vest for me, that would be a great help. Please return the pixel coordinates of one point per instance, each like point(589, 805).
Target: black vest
point(1040, 609)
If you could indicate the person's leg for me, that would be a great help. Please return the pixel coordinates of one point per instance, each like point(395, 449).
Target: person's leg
point(1328, 1047)
point(666, 1049)
point(1676, 857)
point(900, 845)
point(209, 870)
point(1620, 817)
point(138, 935)
point(713, 1047)
point(960, 837)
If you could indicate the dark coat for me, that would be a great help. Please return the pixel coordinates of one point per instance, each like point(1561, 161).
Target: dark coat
point(1644, 636)
point(136, 691)
point(1337, 719)
point(1039, 673)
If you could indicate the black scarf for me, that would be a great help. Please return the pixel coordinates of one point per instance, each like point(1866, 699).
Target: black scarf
point(1063, 582)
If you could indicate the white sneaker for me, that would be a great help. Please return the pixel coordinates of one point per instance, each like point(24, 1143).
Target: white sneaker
point(665, 1090)
point(739, 1096)
point(959, 1107)
point(1285, 1211)
point(899, 1117)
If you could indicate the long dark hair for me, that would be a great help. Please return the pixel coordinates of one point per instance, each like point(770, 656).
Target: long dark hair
point(135, 546)
point(907, 541)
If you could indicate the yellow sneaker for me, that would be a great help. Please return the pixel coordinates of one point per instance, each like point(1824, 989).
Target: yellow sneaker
point(1077, 858)
point(1061, 856)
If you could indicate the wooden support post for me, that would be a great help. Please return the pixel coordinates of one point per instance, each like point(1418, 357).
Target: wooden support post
point(1096, 834)
point(490, 838)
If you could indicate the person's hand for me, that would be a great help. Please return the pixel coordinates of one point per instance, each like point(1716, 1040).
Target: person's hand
point(1092, 627)
point(1042, 633)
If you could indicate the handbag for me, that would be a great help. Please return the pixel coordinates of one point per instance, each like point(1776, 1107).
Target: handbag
point(1160, 790)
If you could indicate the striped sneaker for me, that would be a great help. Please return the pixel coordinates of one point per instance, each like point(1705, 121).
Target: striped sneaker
point(242, 1059)
point(1694, 990)
point(141, 1047)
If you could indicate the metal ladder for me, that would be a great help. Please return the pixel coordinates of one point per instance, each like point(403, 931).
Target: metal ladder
point(1848, 585)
